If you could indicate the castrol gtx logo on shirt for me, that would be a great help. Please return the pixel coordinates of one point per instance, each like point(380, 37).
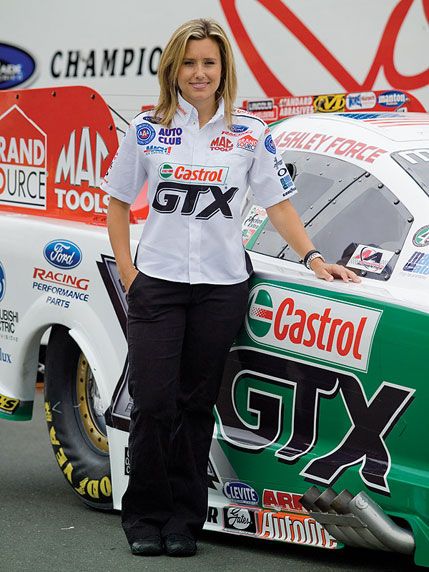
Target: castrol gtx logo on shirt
point(193, 173)
point(322, 328)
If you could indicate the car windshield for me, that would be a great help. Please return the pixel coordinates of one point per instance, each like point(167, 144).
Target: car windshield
point(416, 163)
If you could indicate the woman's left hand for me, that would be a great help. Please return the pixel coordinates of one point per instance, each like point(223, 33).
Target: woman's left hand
point(328, 272)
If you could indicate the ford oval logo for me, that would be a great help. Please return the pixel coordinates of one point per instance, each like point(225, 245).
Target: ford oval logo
point(63, 254)
point(241, 493)
point(16, 66)
point(2, 282)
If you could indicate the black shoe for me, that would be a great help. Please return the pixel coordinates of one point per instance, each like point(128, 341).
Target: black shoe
point(179, 545)
point(149, 546)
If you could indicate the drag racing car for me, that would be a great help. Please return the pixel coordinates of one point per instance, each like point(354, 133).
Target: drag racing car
point(321, 421)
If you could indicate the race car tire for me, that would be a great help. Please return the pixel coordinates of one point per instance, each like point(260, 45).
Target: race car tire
point(75, 419)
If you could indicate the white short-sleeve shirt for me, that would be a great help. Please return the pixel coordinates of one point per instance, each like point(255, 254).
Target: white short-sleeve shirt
point(197, 179)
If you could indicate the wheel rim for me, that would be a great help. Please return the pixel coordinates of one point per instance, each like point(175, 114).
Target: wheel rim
point(90, 406)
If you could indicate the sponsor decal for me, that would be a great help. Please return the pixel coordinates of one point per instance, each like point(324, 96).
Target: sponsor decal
point(278, 500)
point(322, 143)
point(364, 100)
point(296, 105)
point(256, 216)
point(212, 515)
point(154, 120)
point(169, 195)
point(105, 62)
point(312, 385)
point(392, 98)
point(63, 254)
point(237, 128)
point(8, 404)
point(241, 520)
point(240, 492)
point(269, 144)
point(329, 103)
point(247, 142)
point(145, 133)
point(420, 238)
point(193, 173)
point(260, 105)
point(126, 461)
point(170, 136)
point(16, 66)
point(5, 357)
point(8, 321)
point(370, 258)
point(60, 284)
point(80, 165)
point(2, 282)
point(310, 325)
point(415, 156)
point(157, 150)
point(93, 489)
point(22, 161)
point(221, 144)
point(418, 264)
point(294, 528)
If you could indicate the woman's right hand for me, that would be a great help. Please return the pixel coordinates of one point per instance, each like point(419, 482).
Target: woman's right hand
point(128, 278)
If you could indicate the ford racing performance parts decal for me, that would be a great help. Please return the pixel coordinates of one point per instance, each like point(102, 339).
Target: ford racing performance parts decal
point(254, 421)
point(310, 325)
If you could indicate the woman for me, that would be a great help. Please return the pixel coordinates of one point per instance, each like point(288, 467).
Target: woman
point(187, 294)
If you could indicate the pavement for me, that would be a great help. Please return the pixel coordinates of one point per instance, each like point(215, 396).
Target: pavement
point(45, 528)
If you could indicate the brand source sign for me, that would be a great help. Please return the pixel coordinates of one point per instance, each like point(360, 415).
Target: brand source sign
point(310, 325)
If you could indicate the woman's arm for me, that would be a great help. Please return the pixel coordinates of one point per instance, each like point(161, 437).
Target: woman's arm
point(118, 225)
point(288, 224)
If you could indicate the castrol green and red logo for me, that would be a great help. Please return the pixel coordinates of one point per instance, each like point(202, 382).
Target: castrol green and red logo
point(310, 325)
point(193, 173)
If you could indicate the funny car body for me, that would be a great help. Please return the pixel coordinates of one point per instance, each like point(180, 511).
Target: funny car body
point(321, 431)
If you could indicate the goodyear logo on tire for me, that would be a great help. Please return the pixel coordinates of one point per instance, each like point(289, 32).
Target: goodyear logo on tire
point(329, 103)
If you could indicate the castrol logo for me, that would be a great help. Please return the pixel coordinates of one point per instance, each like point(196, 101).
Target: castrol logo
point(310, 325)
point(193, 173)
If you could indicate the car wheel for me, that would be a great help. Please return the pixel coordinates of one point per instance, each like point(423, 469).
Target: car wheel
point(75, 418)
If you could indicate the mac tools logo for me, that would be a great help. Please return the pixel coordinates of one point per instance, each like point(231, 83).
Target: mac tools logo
point(309, 325)
point(63, 254)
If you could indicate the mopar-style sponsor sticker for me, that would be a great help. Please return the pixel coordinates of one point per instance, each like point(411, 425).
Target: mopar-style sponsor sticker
point(63, 254)
point(2, 282)
point(193, 173)
point(242, 493)
point(369, 258)
point(311, 325)
point(8, 404)
point(145, 133)
point(294, 528)
point(420, 238)
point(16, 66)
point(241, 520)
point(255, 218)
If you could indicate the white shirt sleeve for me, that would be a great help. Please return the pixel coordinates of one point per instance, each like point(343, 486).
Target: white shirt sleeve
point(126, 174)
point(268, 176)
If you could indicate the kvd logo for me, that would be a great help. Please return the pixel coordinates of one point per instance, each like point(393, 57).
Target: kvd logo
point(169, 195)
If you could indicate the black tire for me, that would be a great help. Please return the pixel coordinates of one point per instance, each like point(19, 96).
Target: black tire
point(75, 423)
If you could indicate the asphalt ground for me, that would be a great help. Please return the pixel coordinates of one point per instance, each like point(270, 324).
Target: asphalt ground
point(45, 528)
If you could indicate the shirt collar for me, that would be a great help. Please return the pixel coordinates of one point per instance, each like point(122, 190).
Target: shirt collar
point(185, 111)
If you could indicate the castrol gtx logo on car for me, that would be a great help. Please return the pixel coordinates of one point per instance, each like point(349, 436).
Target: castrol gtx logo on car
point(309, 325)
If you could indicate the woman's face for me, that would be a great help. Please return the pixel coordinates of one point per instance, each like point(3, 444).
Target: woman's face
point(200, 73)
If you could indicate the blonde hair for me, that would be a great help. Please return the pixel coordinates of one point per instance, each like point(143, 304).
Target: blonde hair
point(172, 58)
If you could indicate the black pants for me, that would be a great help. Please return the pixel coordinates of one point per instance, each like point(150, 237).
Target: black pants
point(178, 338)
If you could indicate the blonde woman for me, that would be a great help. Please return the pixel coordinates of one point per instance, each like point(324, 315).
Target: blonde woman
point(187, 292)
